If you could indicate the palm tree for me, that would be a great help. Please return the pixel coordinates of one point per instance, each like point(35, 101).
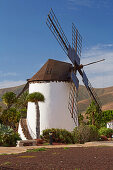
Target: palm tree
point(36, 97)
point(92, 111)
point(9, 98)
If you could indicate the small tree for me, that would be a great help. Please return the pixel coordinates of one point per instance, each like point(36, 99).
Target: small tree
point(93, 113)
point(36, 97)
point(80, 118)
point(9, 98)
point(10, 117)
point(106, 117)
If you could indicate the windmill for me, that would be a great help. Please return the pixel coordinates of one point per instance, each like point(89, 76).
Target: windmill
point(73, 52)
point(57, 81)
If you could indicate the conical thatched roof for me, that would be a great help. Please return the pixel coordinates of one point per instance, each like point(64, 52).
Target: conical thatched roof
point(53, 70)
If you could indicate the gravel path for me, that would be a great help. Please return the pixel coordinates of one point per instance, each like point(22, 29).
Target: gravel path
point(14, 150)
point(67, 158)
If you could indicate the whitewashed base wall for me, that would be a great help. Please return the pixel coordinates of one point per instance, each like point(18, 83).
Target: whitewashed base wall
point(54, 111)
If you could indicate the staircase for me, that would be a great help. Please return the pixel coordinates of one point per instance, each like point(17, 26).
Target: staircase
point(25, 128)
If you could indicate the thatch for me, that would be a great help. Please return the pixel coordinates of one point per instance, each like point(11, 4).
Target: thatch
point(53, 70)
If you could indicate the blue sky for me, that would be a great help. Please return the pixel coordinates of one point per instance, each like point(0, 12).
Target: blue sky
point(26, 43)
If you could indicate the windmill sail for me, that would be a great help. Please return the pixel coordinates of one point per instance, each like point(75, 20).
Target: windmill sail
point(54, 26)
point(73, 56)
point(76, 40)
point(75, 80)
point(73, 96)
point(91, 90)
point(72, 105)
point(57, 31)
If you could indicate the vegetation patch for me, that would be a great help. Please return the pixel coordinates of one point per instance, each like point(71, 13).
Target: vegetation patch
point(94, 117)
point(106, 132)
point(3, 154)
point(8, 137)
point(45, 144)
point(37, 150)
point(65, 148)
point(54, 153)
point(27, 156)
point(6, 163)
point(85, 133)
point(58, 135)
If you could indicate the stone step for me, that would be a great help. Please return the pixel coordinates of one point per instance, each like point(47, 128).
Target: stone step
point(22, 143)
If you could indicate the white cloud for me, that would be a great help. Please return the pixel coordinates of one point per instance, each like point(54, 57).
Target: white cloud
point(73, 4)
point(99, 74)
point(7, 74)
point(7, 84)
point(87, 3)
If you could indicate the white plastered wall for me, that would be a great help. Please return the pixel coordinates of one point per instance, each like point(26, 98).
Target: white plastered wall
point(54, 111)
point(21, 132)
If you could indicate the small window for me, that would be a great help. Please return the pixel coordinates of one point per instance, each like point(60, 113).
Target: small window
point(49, 71)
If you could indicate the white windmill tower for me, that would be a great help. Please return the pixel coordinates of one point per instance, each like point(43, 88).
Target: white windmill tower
point(58, 82)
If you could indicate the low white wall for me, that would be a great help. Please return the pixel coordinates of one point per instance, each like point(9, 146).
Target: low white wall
point(54, 111)
point(21, 132)
point(110, 125)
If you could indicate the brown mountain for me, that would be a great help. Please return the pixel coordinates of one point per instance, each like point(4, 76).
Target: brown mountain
point(105, 95)
point(16, 90)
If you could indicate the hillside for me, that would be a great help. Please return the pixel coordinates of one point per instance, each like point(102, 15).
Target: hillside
point(16, 90)
point(105, 95)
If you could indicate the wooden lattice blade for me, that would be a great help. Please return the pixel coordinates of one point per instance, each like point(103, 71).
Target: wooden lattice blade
point(75, 80)
point(73, 56)
point(91, 90)
point(76, 40)
point(54, 26)
point(72, 105)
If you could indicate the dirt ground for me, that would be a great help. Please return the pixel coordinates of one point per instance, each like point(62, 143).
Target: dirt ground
point(78, 158)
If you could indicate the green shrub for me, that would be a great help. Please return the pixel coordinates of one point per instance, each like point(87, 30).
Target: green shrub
point(4, 128)
point(94, 135)
point(10, 117)
point(85, 133)
point(106, 117)
point(81, 134)
point(59, 135)
point(8, 137)
point(105, 132)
